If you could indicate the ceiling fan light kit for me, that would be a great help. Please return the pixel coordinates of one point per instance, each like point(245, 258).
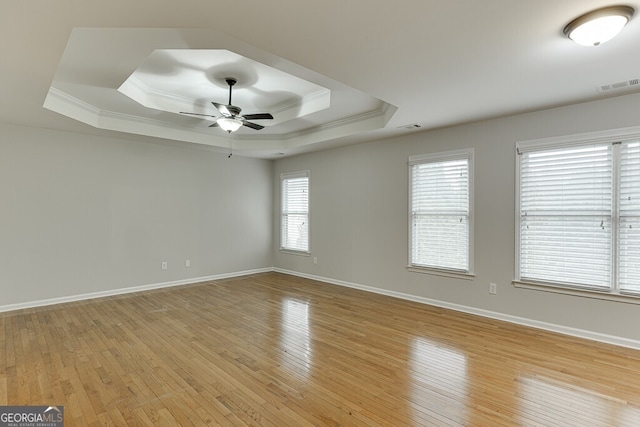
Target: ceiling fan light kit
point(598, 26)
point(229, 124)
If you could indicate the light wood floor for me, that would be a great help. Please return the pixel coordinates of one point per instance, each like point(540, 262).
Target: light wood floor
point(277, 350)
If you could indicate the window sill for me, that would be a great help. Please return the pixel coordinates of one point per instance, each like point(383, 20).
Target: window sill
point(587, 293)
point(293, 252)
point(444, 273)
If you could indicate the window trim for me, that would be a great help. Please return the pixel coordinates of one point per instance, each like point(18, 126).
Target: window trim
point(293, 175)
point(577, 291)
point(609, 136)
point(469, 154)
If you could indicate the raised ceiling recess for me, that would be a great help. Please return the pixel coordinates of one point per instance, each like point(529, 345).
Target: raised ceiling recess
point(140, 80)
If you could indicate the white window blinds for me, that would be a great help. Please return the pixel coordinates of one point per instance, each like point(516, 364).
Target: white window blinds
point(629, 225)
point(565, 215)
point(440, 211)
point(295, 212)
point(579, 215)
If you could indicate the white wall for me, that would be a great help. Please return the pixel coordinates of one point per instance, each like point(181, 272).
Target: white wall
point(84, 214)
point(358, 208)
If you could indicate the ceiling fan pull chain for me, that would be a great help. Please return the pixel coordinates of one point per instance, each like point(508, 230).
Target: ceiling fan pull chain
point(230, 146)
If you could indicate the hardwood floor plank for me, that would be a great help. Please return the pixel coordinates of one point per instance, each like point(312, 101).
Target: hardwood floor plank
point(277, 350)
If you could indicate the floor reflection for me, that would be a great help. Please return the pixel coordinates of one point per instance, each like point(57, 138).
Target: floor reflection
point(296, 338)
point(439, 378)
point(573, 405)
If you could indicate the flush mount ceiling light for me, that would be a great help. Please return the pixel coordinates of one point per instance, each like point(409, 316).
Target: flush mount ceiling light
point(598, 26)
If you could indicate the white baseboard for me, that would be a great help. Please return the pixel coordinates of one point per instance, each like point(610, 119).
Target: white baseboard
point(579, 333)
point(121, 291)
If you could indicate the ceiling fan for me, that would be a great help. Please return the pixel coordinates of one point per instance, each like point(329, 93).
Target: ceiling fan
point(230, 118)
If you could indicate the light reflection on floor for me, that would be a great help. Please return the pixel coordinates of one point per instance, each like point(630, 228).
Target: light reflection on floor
point(296, 338)
point(572, 405)
point(439, 373)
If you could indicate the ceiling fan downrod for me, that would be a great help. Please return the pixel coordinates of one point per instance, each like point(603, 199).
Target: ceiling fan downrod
point(230, 81)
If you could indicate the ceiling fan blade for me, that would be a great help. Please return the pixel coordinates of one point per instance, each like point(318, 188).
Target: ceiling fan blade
point(259, 116)
point(222, 108)
point(215, 124)
point(253, 125)
point(197, 114)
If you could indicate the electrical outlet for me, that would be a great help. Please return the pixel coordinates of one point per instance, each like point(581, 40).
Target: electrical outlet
point(187, 263)
point(493, 288)
point(164, 265)
point(315, 259)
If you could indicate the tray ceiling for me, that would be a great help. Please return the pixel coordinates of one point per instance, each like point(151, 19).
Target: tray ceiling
point(118, 79)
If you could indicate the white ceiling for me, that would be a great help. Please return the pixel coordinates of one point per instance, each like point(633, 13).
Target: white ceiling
point(385, 65)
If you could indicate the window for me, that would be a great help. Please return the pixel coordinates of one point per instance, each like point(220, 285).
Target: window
point(440, 211)
point(578, 214)
point(294, 224)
